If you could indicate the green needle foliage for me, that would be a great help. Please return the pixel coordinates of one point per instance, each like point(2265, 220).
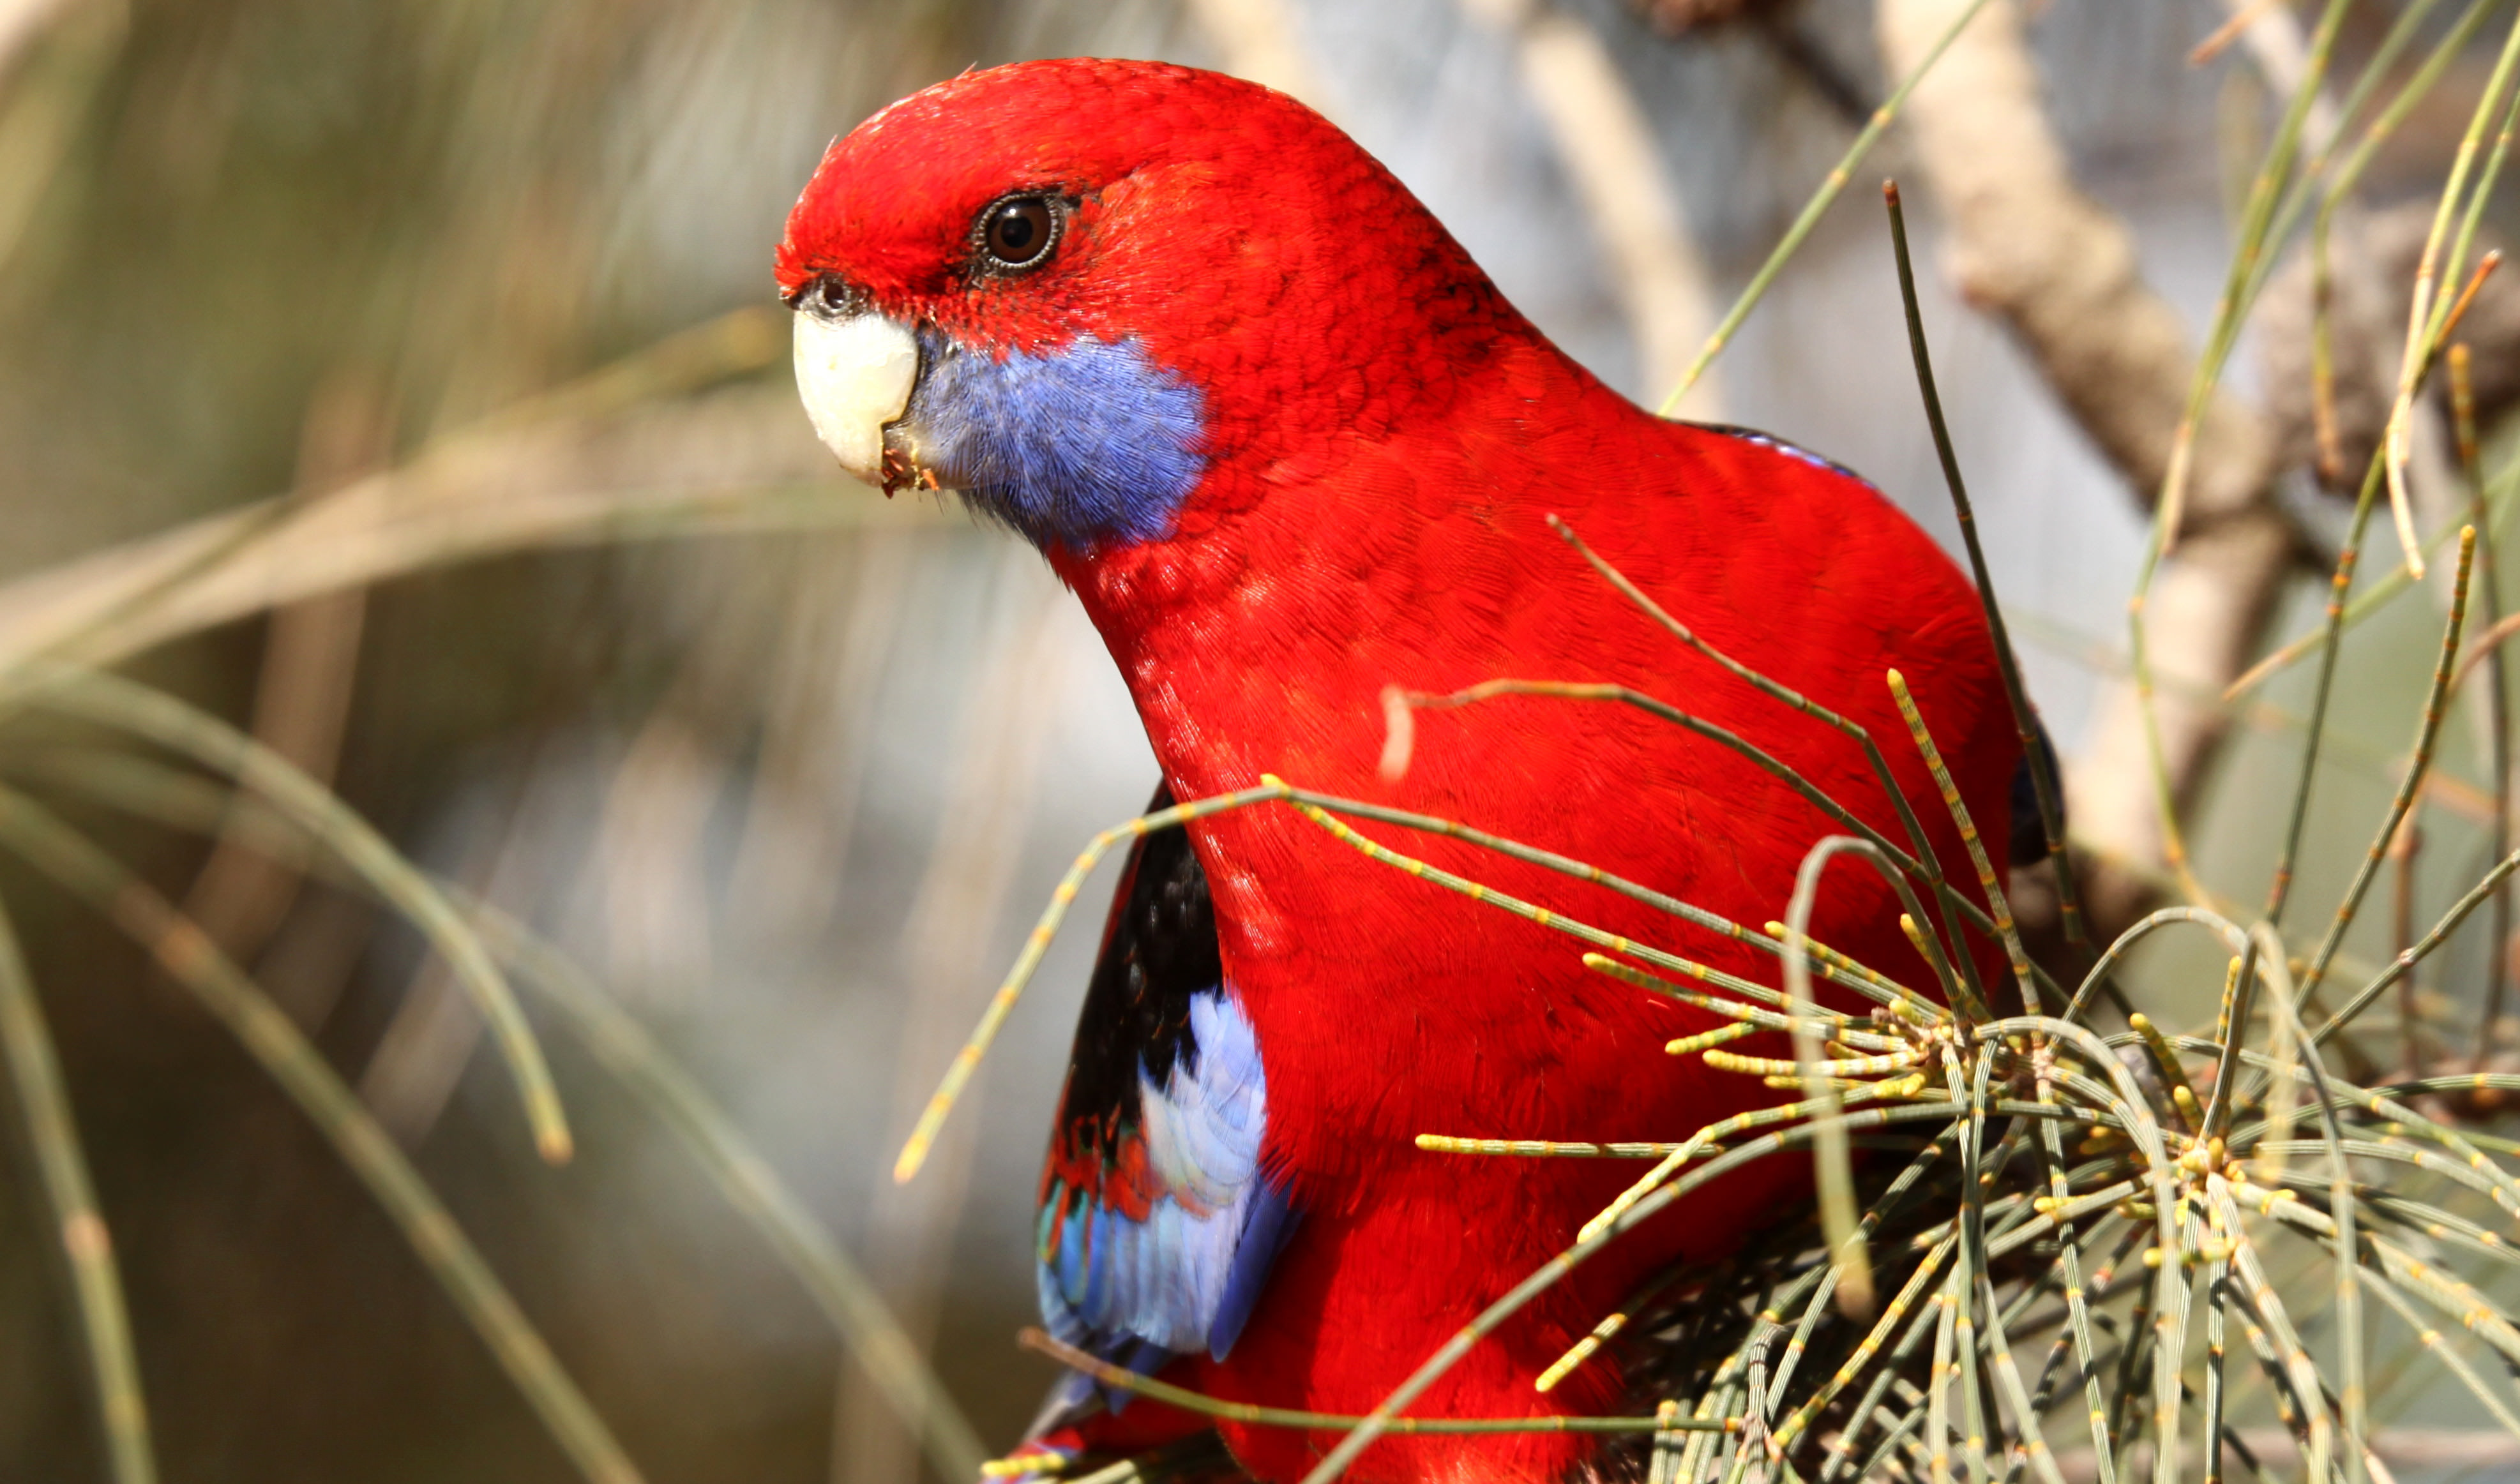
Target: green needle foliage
point(2144, 1255)
point(2073, 1243)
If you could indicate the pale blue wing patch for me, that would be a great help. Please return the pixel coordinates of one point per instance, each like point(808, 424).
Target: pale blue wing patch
point(1184, 1278)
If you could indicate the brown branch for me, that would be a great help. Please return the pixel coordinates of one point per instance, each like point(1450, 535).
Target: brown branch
point(2029, 246)
point(310, 657)
point(1606, 144)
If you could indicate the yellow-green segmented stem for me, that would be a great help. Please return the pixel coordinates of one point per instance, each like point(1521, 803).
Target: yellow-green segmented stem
point(192, 960)
point(2427, 317)
point(1687, 1045)
point(2047, 789)
point(1869, 1347)
point(2433, 1344)
point(1541, 1149)
point(1542, 917)
point(2426, 733)
point(127, 706)
point(2165, 1063)
point(847, 1297)
point(185, 801)
point(2376, 596)
point(1899, 997)
point(1782, 693)
point(1833, 1166)
point(1710, 1139)
point(1986, 879)
point(2356, 1393)
point(1121, 1377)
point(1547, 1274)
point(1581, 1351)
point(2299, 1369)
point(2498, 684)
point(1834, 181)
point(1853, 976)
point(61, 1168)
point(2406, 961)
point(1769, 1066)
point(1628, 696)
point(931, 1118)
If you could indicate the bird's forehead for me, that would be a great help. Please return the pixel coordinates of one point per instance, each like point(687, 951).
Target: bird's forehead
point(892, 203)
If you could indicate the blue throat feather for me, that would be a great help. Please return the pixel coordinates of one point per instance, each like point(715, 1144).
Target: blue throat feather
point(1087, 446)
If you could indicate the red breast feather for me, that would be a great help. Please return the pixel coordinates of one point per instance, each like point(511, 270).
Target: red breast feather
point(1386, 439)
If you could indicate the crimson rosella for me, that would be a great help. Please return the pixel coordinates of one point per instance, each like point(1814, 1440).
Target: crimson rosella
point(1291, 447)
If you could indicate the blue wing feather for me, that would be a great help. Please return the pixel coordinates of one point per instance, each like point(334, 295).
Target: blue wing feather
point(1157, 1224)
point(1184, 1276)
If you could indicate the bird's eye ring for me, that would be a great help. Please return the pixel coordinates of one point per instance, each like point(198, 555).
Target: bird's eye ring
point(1019, 232)
point(830, 296)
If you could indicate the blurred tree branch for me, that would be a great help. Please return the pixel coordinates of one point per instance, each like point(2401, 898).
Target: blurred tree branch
point(607, 458)
point(310, 662)
point(2030, 248)
point(1607, 147)
point(54, 55)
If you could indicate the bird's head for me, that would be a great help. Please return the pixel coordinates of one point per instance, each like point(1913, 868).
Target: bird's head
point(1112, 301)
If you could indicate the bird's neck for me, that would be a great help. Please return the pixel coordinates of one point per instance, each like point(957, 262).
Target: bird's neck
point(1185, 620)
point(1261, 634)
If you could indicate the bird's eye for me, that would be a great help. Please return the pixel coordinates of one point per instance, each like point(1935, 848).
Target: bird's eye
point(1019, 232)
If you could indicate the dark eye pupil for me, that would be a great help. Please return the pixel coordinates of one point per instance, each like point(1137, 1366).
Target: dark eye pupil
point(1019, 232)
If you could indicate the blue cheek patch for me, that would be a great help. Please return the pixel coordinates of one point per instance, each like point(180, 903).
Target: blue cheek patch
point(1087, 446)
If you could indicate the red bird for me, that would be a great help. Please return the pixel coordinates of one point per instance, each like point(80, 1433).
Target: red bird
point(1291, 447)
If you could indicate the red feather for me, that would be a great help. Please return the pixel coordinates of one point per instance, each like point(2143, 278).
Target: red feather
point(1386, 438)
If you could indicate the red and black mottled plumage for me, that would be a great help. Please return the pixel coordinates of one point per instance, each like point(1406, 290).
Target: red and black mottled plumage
point(1155, 1155)
point(1291, 447)
point(1158, 950)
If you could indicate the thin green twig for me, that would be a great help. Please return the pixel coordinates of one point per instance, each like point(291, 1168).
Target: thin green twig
point(1834, 1165)
point(2035, 754)
point(163, 795)
point(188, 956)
point(61, 1168)
point(1834, 181)
point(2427, 731)
point(847, 1297)
point(124, 705)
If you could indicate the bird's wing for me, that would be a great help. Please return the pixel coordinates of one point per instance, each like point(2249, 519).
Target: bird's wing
point(1156, 1225)
point(2027, 843)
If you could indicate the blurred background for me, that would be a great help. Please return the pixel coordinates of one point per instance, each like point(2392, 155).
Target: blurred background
point(405, 384)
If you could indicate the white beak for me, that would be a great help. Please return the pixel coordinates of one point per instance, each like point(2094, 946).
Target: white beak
point(855, 373)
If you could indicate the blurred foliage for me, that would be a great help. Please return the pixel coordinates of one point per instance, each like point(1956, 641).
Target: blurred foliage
point(269, 247)
point(216, 217)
